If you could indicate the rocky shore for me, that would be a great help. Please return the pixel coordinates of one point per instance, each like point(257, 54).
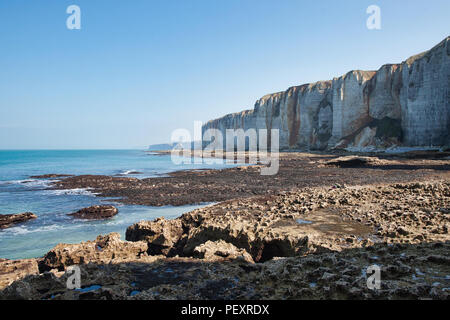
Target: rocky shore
point(308, 243)
point(297, 170)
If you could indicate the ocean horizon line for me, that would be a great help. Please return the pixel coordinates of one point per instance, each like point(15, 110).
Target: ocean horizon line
point(79, 149)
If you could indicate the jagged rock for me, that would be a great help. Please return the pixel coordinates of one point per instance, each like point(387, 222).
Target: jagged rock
point(412, 97)
point(220, 250)
point(96, 213)
point(291, 225)
point(161, 235)
point(313, 220)
point(406, 273)
point(12, 270)
point(105, 249)
point(9, 220)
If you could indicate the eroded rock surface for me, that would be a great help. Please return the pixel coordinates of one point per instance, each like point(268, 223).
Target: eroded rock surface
point(12, 270)
point(105, 249)
point(161, 235)
point(219, 251)
point(407, 272)
point(313, 243)
point(308, 221)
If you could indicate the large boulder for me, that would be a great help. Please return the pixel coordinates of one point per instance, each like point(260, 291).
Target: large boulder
point(161, 235)
point(105, 249)
point(9, 220)
point(221, 250)
point(96, 213)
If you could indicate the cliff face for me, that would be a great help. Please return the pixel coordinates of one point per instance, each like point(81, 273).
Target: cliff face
point(400, 104)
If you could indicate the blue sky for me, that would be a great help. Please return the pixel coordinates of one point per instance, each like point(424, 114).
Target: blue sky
point(139, 69)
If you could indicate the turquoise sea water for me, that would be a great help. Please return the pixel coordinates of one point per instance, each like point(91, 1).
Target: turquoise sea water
point(20, 193)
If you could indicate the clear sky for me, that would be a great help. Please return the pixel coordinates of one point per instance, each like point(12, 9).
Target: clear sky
point(139, 69)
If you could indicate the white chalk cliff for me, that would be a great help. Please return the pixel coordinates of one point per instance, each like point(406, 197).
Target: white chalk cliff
point(405, 104)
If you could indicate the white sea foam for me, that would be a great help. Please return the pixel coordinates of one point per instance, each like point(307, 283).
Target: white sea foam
point(76, 191)
point(34, 183)
point(22, 230)
point(15, 231)
point(30, 183)
point(128, 172)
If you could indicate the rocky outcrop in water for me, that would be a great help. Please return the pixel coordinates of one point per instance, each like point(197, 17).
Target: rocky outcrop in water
point(51, 176)
point(400, 104)
point(9, 220)
point(96, 213)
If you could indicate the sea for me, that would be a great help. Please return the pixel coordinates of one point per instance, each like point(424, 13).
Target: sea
point(20, 193)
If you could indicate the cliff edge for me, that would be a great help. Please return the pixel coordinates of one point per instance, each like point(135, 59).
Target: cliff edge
point(406, 104)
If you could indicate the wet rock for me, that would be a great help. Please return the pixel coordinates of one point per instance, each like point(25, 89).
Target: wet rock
point(328, 277)
point(439, 259)
point(9, 220)
point(51, 176)
point(96, 213)
point(296, 171)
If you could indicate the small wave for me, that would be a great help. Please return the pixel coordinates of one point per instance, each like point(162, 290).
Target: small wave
point(21, 230)
point(15, 231)
point(35, 183)
point(72, 192)
point(128, 172)
point(30, 183)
